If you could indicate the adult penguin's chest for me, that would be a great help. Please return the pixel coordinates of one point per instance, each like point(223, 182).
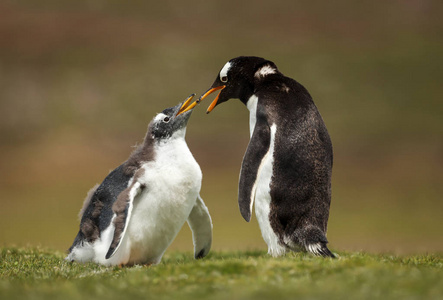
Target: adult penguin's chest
point(261, 194)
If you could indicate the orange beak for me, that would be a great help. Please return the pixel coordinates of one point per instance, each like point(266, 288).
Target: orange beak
point(185, 106)
point(210, 91)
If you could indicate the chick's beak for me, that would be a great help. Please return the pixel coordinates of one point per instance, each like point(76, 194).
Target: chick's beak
point(185, 106)
point(214, 102)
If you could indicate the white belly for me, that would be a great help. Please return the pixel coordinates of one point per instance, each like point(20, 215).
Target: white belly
point(263, 200)
point(173, 182)
point(262, 196)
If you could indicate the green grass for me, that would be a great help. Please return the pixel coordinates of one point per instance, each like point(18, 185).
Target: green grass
point(34, 273)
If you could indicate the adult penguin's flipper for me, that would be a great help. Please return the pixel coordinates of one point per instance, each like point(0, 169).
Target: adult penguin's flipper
point(257, 150)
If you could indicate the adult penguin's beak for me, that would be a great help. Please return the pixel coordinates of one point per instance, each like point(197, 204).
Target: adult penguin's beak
point(186, 106)
point(209, 92)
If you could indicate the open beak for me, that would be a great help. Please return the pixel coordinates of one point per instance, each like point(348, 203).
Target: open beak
point(210, 91)
point(185, 106)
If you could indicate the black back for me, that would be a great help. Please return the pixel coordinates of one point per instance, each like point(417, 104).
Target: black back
point(98, 213)
point(107, 193)
point(303, 154)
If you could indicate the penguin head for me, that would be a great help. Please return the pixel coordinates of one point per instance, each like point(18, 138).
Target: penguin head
point(238, 78)
point(171, 122)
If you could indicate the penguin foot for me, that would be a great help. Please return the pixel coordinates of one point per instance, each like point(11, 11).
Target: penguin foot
point(202, 253)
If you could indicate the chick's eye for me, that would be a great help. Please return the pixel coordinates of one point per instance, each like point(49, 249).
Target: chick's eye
point(166, 120)
point(224, 78)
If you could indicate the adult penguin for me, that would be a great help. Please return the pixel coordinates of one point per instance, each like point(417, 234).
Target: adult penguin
point(287, 166)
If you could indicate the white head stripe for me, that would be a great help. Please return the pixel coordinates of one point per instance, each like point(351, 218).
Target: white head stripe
point(225, 70)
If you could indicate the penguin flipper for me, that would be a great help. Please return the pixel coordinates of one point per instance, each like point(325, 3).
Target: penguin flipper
point(123, 209)
point(200, 223)
point(257, 149)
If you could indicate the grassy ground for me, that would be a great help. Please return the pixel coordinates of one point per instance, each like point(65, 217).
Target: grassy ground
point(33, 273)
point(80, 80)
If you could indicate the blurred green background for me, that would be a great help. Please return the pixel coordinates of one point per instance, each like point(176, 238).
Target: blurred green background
point(80, 80)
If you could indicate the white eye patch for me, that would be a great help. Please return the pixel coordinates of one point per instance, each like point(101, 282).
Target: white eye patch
point(224, 72)
point(159, 117)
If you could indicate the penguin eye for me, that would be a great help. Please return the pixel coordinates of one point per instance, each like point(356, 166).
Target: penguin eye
point(166, 120)
point(224, 79)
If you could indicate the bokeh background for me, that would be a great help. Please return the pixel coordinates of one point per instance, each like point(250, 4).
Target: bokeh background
point(80, 80)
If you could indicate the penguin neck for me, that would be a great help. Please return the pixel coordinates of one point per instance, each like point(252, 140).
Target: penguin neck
point(142, 153)
point(177, 137)
point(173, 149)
point(246, 92)
point(251, 104)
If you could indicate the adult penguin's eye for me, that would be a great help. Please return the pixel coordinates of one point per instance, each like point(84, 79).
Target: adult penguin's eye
point(224, 79)
point(166, 120)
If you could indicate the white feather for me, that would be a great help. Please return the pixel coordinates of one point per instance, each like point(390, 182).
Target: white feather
point(265, 70)
point(314, 248)
point(252, 106)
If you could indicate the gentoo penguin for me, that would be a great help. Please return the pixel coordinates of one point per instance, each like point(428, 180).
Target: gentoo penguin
point(287, 166)
point(134, 215)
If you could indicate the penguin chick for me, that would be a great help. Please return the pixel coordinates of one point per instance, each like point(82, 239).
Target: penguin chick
point(136, 212)
point(287, 166)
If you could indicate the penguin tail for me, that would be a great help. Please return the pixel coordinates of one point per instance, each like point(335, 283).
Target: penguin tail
point(319, 249)
point(313, 240)
point(79, 238)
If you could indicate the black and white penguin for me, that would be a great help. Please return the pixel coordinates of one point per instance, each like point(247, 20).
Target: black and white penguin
point(134, 215)
point(287, 166)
